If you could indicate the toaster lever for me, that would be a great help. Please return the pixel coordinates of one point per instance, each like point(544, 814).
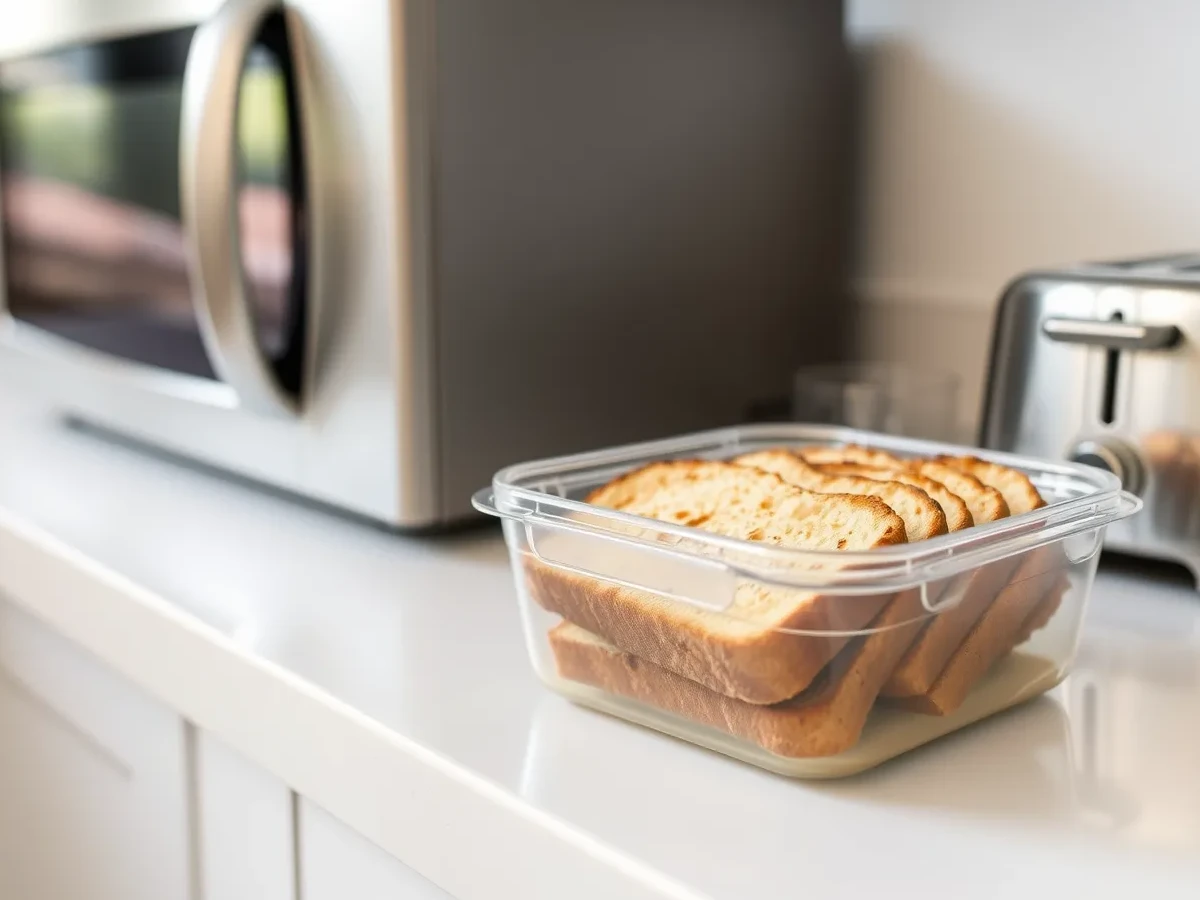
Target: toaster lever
point(1115, 334)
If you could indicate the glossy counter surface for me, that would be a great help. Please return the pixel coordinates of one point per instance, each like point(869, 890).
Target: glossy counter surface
point(371, 670)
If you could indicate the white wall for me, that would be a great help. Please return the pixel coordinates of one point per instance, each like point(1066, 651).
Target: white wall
point(1010, 134)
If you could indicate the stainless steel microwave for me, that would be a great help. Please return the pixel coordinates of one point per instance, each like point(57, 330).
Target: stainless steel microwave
point(369, 252)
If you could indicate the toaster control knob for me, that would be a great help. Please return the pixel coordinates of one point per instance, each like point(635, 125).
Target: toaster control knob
point(1115, 456)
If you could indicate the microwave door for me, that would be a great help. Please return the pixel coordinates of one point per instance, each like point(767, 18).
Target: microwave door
point(125, 237)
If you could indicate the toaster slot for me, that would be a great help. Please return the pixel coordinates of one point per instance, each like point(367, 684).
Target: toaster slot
point(1112, 370)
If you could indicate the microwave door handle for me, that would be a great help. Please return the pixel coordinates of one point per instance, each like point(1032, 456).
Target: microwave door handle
point(208, 169)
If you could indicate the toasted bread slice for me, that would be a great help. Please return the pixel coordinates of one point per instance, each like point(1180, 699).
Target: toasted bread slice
point(1016, 488)
point(932, 649)
point(748, 650)
point(748, 503)
point(929, 653)
point(825, 720)
point(996, 633)
point(1036, 574)
point(954, 508)
point(923, 518)
point(986, 504)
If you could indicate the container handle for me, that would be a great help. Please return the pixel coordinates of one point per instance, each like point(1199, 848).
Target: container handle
point(1081, 547)
point(937, 596)
point(484, 500)
point(1085, 543)
point(704, 577)
point(705, 583)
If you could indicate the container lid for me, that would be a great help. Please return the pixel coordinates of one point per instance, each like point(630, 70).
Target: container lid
point(547, 498)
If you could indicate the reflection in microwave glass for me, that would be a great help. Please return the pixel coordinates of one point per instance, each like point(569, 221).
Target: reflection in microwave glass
point(90, 194)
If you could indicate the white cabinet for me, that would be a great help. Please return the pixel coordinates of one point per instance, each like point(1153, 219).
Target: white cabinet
point(105, 794)
point(93, 777)
point(337, 863)
point(246, 823)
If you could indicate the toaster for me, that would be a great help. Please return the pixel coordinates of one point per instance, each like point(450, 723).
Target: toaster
point(1100, 364)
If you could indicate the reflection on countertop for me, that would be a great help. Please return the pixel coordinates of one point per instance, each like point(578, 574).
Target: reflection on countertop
point(1134, 705)
point(1110, 753)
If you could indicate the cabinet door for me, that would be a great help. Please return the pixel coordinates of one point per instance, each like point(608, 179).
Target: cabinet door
point(246, 825)
point(336, 863)
point(93, 777)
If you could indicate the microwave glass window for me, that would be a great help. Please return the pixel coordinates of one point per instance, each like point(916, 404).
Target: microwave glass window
point(89, 199)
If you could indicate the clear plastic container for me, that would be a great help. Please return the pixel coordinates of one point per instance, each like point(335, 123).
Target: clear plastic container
point(874, 652)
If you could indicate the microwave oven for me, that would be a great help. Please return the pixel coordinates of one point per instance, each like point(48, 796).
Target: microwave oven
point(368, 253)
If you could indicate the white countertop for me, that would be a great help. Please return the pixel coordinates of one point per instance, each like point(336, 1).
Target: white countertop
point(386, 678)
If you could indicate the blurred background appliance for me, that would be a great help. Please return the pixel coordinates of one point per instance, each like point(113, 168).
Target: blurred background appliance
point(1100, 363)
point(369, 253)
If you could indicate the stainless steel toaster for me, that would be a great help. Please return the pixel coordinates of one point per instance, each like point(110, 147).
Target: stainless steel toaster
point(1100, 363)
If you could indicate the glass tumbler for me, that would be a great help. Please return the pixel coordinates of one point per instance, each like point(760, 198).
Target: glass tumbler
point(880, 397)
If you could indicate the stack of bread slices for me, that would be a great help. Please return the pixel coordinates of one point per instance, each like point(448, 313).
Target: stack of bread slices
point(798, 671)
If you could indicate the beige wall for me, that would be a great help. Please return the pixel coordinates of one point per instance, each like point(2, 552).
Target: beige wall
point(1004, 135)
point(1008, 134)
